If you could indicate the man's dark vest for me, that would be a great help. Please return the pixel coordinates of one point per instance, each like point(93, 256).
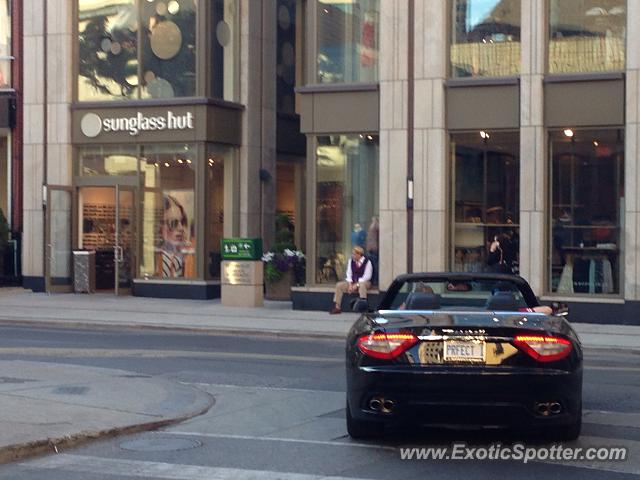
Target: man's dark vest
point(357, 271)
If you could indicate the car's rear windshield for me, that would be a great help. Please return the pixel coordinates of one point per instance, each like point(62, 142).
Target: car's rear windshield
point(464, 295)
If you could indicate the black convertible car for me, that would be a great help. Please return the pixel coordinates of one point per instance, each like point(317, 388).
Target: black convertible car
point(463, 350)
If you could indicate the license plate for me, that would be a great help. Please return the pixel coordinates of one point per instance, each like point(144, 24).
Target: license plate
point(464, 351)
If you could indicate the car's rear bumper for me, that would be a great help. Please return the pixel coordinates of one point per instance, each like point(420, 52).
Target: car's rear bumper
point(465, 398)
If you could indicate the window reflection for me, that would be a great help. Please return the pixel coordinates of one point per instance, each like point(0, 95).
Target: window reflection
point(347, 41)
point(487, 189)
point(587, 35)
point(347, 202)
point(485, 38)
point(136, 49)
point(587, 180)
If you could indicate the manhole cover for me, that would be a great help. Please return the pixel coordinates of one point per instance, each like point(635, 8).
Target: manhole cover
point(160, 444)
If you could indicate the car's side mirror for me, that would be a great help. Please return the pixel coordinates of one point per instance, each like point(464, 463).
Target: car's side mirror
point(560, 309)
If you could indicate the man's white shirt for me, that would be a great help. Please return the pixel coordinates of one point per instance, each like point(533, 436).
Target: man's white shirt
point(368, 271)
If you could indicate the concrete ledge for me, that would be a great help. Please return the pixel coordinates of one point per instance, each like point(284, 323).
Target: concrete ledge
point(190, 291)
point(321, 298)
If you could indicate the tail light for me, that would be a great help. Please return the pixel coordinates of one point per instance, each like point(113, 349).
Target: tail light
point(386, 345)
point(543, 348)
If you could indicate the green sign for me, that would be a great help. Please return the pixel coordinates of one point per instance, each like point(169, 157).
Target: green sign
point(241, 248)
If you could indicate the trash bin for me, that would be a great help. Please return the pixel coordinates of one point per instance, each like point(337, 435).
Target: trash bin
point(84, 271)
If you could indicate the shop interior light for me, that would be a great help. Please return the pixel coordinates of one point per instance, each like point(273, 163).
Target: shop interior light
point(369, 137)
point(180, 161)
point(484, 134)
point(188, 161)
point(166, 164)
point(595, 143)
point(568, 132)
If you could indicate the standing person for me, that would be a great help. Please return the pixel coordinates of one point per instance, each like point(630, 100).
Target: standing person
point(501, 255)
point(359, 273)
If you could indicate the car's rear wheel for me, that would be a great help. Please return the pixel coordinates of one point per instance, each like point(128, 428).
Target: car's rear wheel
point(361, 429)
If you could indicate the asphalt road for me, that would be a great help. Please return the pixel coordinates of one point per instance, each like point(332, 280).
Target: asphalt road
point(279, 413)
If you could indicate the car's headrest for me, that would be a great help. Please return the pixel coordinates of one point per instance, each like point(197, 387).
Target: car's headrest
point(422, 301)
point(361, 306)
point(502, 301)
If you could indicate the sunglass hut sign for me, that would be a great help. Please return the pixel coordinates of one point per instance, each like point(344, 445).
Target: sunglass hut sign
point(93, 125)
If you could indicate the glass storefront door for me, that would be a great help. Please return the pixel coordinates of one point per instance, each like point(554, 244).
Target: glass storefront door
point(125, 240)
point(108, 228)
point(59, 236)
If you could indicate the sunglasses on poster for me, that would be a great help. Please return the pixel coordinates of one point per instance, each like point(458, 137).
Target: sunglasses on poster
point(173, 224)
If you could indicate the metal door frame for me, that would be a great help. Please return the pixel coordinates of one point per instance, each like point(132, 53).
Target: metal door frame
point(118, 254)
point(49, 286)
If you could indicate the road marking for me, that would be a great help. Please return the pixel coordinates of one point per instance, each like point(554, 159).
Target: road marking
point(612, 369)
point(137, 468)
point(139, 353)
point(279, 439)
point(259, 388)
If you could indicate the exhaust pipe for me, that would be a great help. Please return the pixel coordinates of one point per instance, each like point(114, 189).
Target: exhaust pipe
point(542, 408)
point(388, 405)
point(375, 404)
point(555, 408)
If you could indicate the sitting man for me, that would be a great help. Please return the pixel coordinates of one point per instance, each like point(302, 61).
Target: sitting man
point(359, 273)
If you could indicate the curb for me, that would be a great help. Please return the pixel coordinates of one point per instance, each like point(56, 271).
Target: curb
point(22, 451)
point(210, 330)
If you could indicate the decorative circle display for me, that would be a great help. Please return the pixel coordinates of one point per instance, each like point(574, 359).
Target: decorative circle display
point(174, 7)
point(288, 54)
point(223, 33)
point(160, 88)
point(105, 45)
point(91, 125)
point(166, 40)
point(149, 76)
point(116, 48)
point(161, 9)
point(284, 17)
point(131, 70)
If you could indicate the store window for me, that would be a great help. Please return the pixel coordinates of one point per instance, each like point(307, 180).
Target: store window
point(130, 49)
point(219, 165)
point(587, 205)
point(225, 42)
point(347, 42)
point(5, 44)
point(346, 202)
point(107, 160)
point(587, 35)
point(485, 38)
point(168, 211)
point(486, 191)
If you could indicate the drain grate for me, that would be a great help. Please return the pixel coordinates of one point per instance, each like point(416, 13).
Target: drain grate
point(15, 380)
point(160, 444)
point(71, 390)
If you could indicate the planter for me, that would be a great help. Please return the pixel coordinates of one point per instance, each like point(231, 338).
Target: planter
point(280, 290)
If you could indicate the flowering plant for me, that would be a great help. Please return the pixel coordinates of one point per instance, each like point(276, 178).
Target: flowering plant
point(277, 263)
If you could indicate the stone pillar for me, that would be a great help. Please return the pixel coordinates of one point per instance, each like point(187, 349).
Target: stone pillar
point(393, 140)
point(56, 77)
point(431, 221)
point(33, 151)
point(257, 64)
point(631, 221)
point(533, 157)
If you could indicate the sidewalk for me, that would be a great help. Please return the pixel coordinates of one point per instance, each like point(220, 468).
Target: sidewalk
point(275, 318)
point(48, 407)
